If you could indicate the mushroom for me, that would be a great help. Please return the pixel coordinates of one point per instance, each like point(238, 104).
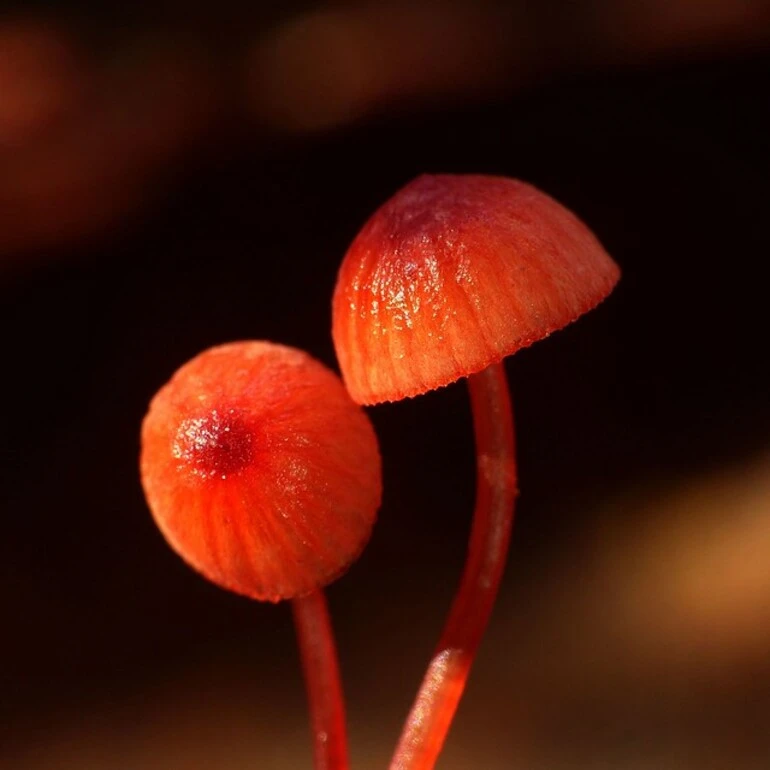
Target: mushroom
point(445, 280)
point(264, 476)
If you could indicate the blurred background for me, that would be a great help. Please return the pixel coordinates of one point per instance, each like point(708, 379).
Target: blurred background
point(176, 179)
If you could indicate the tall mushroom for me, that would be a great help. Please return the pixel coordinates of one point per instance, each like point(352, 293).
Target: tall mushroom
point(264, 476)
point(445, 280)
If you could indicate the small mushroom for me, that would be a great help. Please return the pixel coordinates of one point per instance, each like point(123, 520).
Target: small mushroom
point(264, 476)
point(445, 280)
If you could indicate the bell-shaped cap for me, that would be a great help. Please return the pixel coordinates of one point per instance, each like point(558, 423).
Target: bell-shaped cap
point(453, 274)
point(260, 471)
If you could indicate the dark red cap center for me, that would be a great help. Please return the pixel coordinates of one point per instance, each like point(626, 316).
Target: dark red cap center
point(214, 445)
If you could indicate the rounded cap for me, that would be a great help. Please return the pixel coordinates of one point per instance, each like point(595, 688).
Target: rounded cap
point(454, 273)
point(260, 471)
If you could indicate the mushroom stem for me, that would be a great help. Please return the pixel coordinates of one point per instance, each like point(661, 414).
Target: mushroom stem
point(322, 680)
point(431, 716)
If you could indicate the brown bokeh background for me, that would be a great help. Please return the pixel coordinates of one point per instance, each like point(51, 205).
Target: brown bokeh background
point(176, 180)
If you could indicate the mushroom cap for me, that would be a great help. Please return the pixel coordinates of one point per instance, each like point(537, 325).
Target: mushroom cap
point(454, 273)
point(260, 471)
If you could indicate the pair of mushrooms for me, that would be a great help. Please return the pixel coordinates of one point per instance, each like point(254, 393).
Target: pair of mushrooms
point(263, 472)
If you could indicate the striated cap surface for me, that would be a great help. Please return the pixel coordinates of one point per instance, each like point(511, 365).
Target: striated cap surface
point(260, 471)
point(454, 273)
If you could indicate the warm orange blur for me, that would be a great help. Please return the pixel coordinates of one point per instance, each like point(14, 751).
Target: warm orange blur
point(83, 142)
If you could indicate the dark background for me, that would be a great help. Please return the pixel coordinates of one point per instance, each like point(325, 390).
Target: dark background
point(634, 619)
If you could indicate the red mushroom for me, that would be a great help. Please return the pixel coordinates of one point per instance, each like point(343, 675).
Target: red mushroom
point(447, 278)
point(264, 476)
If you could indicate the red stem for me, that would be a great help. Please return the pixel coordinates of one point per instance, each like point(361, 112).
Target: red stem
point(431, 716)
point(322, 680)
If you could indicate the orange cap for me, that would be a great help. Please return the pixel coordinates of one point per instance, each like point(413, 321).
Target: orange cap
point(260, 471)
point(453, 274)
